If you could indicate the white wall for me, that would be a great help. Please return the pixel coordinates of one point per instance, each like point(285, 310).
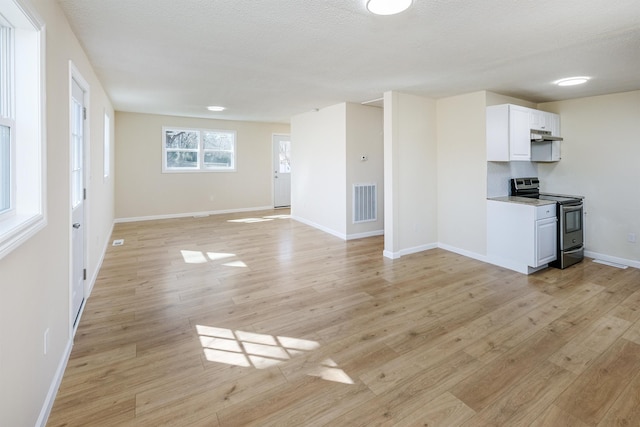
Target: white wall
point(34, 278)
point(410, 174)
point(143, 191)
point(601, 161)
point(318, 172)
point(326, 146)
point(462, 174)
point(364, 126)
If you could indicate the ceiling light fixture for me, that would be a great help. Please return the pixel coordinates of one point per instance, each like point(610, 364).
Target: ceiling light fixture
point(215, 108)
point(388, 7)
point(572, 81)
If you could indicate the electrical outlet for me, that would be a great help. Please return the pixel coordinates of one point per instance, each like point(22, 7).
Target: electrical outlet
point(631, 237)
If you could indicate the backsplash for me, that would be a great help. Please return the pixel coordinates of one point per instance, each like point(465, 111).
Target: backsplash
point(499, 174)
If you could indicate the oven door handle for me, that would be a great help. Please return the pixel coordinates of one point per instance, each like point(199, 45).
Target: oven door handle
point(570, 208)
point(573, 251)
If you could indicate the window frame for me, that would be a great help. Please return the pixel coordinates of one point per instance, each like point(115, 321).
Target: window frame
point(200, 151)
point(10, 210)
point(7, 101)
point(23, 109)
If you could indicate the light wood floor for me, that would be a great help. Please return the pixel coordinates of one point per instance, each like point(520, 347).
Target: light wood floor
point(221, 321)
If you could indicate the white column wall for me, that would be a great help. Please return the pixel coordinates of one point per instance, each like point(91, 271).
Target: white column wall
point(410, 175)
point(318, 174)
point(462, 174)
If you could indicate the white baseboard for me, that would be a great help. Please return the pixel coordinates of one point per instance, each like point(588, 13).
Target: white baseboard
point(55, 385)
point(609, 258)
point(337, 233)
point(320, 227)
point(191, 214)
point(57, 379)
point(365, 235)
point(464, 252)
point(94, 276)
point(416, 249)
point(408, 251)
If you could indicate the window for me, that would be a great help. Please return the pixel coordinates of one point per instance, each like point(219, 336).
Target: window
point(22, 143)
point(6, 173)
point(198, 150)
point(7, 124)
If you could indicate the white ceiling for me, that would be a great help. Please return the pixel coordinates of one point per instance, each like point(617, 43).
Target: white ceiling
point(266, 60)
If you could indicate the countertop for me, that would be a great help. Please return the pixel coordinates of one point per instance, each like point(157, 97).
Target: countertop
point(523, 200)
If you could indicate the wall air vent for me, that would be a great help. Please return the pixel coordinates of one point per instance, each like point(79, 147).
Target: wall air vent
point(365, 203)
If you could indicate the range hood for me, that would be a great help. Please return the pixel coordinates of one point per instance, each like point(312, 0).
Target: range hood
point(543, 135)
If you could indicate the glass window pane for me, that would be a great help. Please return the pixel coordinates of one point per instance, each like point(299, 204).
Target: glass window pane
point(185, 139)
point(76, 194)
point(182, 159)
point(218, 159)
point(5, 168)
point(218, 141)
point(285, 156)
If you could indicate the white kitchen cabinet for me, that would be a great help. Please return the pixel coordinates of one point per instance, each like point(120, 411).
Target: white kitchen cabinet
point(543, 120)
point(546, 151)
point(508, 133)
point(553, 122)
point(546, 240)
point(521, 236)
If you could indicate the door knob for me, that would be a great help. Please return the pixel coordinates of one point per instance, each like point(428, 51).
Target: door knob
point(76, 225)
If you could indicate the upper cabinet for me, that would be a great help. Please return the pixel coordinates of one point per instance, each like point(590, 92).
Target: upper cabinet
point(509, 134)
point(543, 120)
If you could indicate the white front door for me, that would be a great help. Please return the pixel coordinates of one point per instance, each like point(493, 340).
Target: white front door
point(77, 200)
point(282, 171)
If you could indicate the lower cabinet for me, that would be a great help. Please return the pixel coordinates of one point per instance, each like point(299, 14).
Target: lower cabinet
point(521, 236)
point(546, 240)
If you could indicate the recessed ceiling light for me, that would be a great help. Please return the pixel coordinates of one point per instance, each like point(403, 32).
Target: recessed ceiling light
point(572, 81)
point(388, 7)
point(215, 108)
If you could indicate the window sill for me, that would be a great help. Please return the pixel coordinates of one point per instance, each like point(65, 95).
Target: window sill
point(16, 230)
point(197, 170)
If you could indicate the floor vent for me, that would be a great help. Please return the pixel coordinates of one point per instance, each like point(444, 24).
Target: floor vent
point(365, 203)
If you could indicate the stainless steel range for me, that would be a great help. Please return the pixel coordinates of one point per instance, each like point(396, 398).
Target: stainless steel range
point(570, 220)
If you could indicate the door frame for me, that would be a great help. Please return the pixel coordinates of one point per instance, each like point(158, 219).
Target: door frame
point(74, 74)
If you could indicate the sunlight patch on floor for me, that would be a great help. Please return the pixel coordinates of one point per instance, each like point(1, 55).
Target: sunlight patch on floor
point(261, 219)
point(250, 220)
point(242, 348)
point(330, 371)
point(199, 257)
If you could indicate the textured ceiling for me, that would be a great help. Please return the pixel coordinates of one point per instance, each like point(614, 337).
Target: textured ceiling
point(266, 60)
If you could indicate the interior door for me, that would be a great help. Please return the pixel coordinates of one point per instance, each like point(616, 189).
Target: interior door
point(282, 171)
point(77, 200)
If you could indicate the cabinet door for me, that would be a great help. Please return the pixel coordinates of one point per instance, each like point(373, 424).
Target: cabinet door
point(519, 133)
point(546, 246)
point(498, 133)
point(543, 120)
point(538, 120)
point(553, 123)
